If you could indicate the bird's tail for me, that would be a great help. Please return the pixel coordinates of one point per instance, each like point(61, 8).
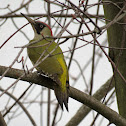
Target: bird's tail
point(62, 96)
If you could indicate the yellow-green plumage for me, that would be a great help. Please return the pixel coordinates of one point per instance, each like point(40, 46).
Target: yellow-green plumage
point(54, 65)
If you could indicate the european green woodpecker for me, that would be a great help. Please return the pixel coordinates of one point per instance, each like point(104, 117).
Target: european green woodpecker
point(54, 66)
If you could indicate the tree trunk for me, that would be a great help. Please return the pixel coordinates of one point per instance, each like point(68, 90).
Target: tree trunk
point(117, 38)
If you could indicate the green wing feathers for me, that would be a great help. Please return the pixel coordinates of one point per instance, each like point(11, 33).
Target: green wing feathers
point(62, 93)
point(54, 66)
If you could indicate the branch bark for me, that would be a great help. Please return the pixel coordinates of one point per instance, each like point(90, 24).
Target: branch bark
point(90, 101)
point(84, 110)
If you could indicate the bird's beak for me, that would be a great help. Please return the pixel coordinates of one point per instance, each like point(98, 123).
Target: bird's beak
point(32, 22)
point(29, 19)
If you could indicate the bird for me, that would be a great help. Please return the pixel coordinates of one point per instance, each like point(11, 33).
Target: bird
point(54, 65)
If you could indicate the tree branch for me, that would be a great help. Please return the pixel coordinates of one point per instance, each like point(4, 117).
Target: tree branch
point(46, 15)
point(21, 106)
point(2, 121)
point(84, 110)
point(90, 101)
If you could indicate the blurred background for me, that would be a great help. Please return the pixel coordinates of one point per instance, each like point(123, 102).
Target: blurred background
point(89, 68)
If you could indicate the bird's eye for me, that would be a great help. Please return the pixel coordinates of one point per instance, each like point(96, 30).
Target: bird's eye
point(41, 26)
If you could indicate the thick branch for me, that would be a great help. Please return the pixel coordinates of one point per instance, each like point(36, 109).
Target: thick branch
point(84, 110)
point(90, 101)
point(46, 15)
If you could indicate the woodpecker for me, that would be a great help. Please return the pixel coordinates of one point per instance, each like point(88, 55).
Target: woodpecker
point(54, 65)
